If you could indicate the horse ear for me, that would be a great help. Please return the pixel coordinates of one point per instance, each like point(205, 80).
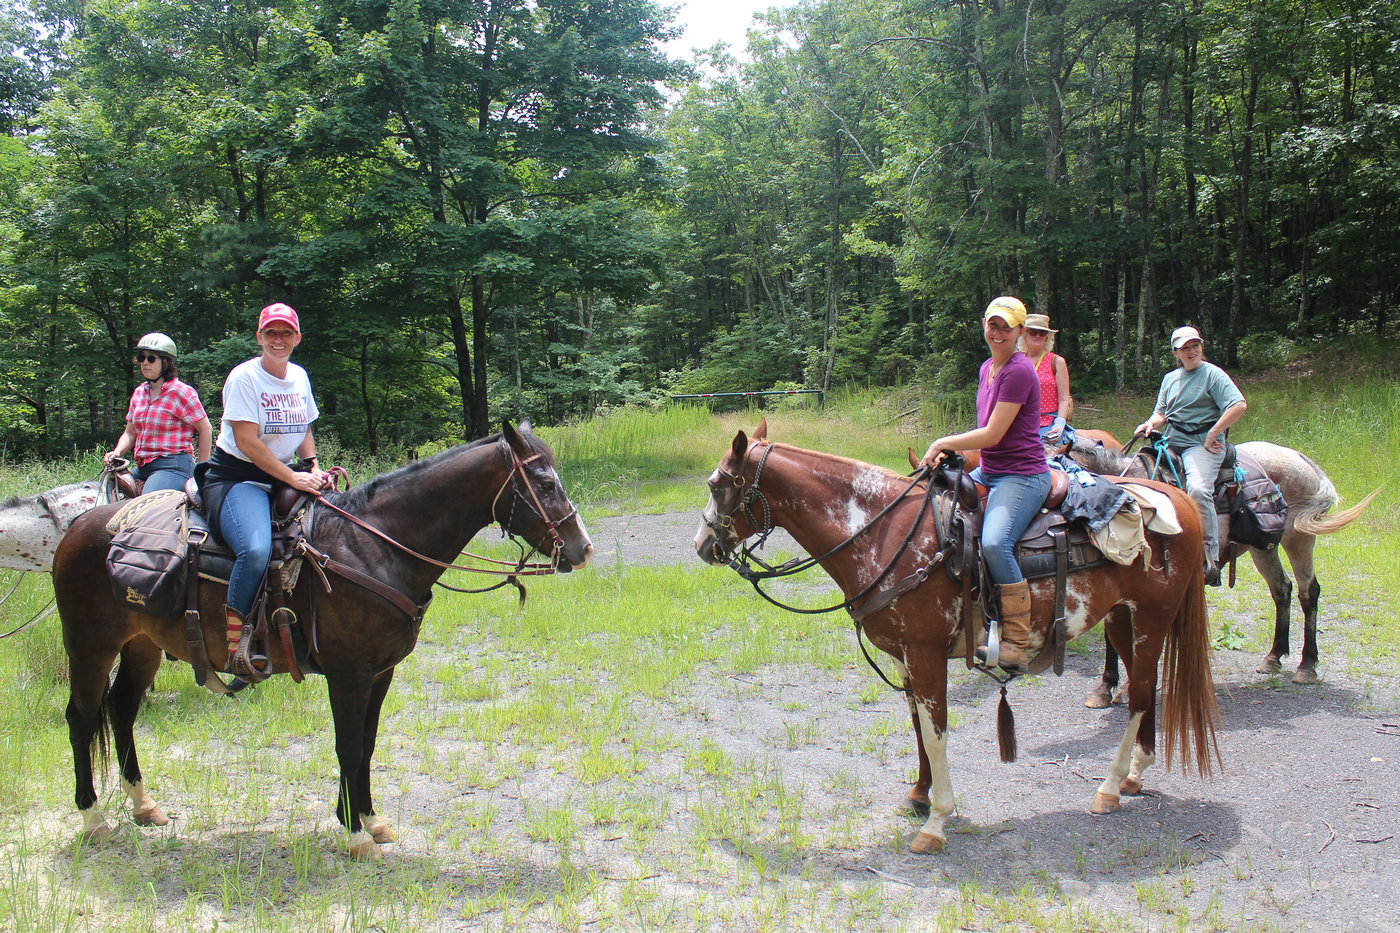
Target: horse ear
point(526, 427)
point(913, 458)
point(740, 447)
point(761, 432)
point(511, 435)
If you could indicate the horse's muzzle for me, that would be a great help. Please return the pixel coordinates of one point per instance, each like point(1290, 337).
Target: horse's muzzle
point(709, 547)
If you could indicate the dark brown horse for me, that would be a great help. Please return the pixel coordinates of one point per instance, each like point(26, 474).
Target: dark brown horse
point(1155, 609)
point(1310, 496)
point(434, 507)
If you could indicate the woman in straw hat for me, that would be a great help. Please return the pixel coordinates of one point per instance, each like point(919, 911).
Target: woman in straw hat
point(1056, 404)
point(1013, 467)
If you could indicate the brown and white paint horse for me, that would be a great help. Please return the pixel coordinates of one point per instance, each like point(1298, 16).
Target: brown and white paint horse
point(1310, 496)
point(1155, 610)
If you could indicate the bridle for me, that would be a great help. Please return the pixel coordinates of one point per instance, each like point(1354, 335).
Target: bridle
point(515, 474)
point(862, 604)
point(742, 561)
point(724, 525)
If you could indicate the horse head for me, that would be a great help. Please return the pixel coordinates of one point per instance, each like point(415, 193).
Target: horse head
point(728, 518)
point(533, 504)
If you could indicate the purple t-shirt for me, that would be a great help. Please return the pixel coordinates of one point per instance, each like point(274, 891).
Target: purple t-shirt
point(1020, 450)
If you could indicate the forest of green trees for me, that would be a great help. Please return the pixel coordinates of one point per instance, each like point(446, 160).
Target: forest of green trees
point(488, 208)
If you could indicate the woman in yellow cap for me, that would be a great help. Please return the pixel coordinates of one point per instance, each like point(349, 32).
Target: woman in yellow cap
point(1013, 468)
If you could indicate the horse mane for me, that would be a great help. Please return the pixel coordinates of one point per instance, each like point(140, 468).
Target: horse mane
point(1097, 457)
point(839, 458)
point(360, 496)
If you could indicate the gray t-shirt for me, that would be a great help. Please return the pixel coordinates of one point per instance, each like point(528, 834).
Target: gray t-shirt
point(1194, 400)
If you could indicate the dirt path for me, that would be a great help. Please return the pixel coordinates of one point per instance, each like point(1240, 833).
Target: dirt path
point(1301, 831)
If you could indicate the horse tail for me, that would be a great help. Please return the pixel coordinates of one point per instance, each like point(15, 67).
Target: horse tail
point(1311, 519)
point(101, 745)
point(1189, 711)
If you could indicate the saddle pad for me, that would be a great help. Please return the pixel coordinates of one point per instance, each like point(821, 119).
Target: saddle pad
point(136, 510)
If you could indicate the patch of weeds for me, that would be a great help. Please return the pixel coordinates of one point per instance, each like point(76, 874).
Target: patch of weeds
point(1229, 637)
point(709, 759)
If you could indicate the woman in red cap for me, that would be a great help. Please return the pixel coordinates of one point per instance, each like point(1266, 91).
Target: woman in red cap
point(1013, 467)
point(266, 428)
point(163, 415)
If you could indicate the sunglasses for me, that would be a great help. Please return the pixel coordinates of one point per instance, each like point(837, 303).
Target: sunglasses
point(143, 358)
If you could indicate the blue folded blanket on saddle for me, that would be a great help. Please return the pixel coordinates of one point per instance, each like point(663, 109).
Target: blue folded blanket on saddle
point(1091, 498)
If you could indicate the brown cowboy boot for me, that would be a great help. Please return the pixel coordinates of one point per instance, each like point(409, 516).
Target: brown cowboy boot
point(1015, 601)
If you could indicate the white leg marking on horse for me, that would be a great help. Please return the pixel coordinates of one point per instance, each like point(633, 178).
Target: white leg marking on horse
point(1106, 800)
point(95, 826)
point(931, 837)
point(1142, 760)
point(143, 809)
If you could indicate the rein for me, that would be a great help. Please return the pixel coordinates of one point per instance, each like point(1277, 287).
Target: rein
point(519, 568)
point(1154, 461)
point(741, 563)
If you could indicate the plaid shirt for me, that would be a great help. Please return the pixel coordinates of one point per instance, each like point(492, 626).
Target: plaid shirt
point(164, 424)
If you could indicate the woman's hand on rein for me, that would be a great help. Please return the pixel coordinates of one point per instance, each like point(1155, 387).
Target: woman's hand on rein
point(935, 454)
point(312, 481)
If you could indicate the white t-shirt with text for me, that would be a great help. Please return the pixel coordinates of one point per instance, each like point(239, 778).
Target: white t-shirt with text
point(283, 409)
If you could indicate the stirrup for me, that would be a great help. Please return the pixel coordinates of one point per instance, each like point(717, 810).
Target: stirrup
point(990, 653)
point(245, 665)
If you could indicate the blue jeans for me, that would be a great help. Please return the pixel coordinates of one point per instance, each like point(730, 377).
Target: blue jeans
point(1012, 501)
point(245, 521)
point(167, 472)
point(1201, 469)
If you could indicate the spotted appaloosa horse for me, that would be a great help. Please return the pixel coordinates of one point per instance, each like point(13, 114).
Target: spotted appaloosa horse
point(32, 526)
point(433, 507)
point(1154, 611)
point(1310, 496)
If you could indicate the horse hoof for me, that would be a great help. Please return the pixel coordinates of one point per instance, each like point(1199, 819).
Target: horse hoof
point(1129, 787)
point(1103, 803)
point(1099, 698)
point(97, 835)
point(926, 844)
point(918, 803)
point(1269, 665)
point(1120, 696)
point(149, 815)
point(1305, 675)
point(364, 849)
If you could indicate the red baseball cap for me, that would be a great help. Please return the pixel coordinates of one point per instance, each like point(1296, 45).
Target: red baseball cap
point(279, 314)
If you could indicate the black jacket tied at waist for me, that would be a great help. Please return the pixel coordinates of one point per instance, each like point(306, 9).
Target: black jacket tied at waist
point(220, 473)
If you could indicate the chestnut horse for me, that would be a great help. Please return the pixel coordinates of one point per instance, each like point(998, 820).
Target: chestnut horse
point(433, 507)
point(1310, 496)
point(858, 516)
